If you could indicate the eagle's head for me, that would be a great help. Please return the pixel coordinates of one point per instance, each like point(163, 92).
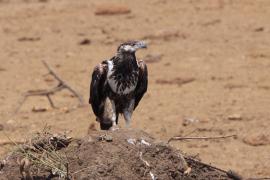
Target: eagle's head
point(131, 46)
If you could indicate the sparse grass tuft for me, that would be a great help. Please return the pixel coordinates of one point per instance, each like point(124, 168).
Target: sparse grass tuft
point(41, 153)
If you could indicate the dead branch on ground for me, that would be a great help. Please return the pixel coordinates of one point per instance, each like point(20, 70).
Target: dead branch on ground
point(47, 93)
point(200, 138)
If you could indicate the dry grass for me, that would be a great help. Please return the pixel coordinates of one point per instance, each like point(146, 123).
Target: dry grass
point(41, 153)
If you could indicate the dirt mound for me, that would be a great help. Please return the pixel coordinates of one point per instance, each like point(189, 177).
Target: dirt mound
point(123, 154)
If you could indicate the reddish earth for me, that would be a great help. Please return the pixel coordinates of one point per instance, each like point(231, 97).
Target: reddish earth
point(211, 74)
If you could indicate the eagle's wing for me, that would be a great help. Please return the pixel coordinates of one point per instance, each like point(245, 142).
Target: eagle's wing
point(97, 88)
point(142, 83)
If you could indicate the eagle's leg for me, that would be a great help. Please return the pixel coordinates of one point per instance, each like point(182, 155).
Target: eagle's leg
point(114, 117)
point(117, 115)
point(127, 116)
point(128, 112)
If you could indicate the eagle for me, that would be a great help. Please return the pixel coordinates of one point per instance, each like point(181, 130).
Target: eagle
point(118, 85)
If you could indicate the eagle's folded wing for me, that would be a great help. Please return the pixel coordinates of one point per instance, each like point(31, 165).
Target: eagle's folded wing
point(96, 88)
point(142, 83)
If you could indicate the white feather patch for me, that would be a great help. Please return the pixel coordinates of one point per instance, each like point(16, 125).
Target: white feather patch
point(129, 48)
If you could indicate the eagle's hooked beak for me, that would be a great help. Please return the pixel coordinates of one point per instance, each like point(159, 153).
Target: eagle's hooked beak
point(140, 45)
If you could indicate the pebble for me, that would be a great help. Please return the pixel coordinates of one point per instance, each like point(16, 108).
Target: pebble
point(112, 9)
point(235, 117)
point(257, 140)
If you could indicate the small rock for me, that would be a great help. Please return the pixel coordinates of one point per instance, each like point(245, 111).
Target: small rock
point(39, 109)
point(112, 9)
point(65, 109)
point(167, 64)
point(212, 22)
point(85, 42)
point(258, 55)
point(257, 140)
point(131, 141)
point(234, 175)
point(101, 170)
point(2, 69)
point(11, 121)
point(145, 142)
point(105, 137)
point(235, 117)
point(29, 39)
point(1, 127)
point(259, 29)
point(48, 79)
point(108, 138)
point(188, 121)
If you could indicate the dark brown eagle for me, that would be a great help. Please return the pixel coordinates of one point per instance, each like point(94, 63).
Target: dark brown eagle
point(118, 85)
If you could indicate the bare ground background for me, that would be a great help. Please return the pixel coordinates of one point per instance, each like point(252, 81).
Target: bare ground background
point(220, 49)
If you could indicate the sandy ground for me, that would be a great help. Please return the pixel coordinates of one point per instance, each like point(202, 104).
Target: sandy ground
point(222, 45)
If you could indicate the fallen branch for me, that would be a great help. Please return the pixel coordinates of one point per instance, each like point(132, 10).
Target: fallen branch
point(61, 85)
point(201, 138)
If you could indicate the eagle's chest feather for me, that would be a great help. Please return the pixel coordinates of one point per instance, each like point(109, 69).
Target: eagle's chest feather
point(121, 83)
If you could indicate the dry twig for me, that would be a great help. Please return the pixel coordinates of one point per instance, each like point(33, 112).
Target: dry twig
point(61, 85)
point(200, 138)
point(4, 143)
